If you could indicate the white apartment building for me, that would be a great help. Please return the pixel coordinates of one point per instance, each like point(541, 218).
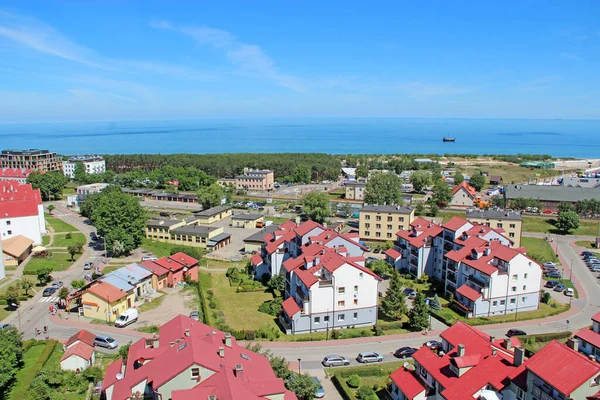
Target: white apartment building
point(74, 200)
point(21, 212)
point(93, 164)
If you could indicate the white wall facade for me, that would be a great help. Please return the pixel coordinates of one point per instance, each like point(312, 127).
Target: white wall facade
point(27, 226)
point(91, 167)
point(74, 362)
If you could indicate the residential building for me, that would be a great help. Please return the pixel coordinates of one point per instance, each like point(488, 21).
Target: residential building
point(589, 339)
point(355, 190)
point(21, 212)
point(79, 352)
point(83, 191)
point(255, 180)
point(2, 265)
point(550, 196)
point(496, 180)
point(136, 276)
point(162, 196)
point(186, 232)
point(102, 300)
point(214, 214)
point(191, 360)
point(247, 221)
point(463, 195)
point(421, 249)
point(382, 222)
point(15, 174)
point(349, 173)
point(37, 160)
point(255, 242)
point(394, 257)
point(92, 163)
point(471, 365)
point(172, 270)
point(509, 222)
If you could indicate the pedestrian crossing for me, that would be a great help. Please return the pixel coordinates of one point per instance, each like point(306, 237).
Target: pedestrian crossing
point(52, 299)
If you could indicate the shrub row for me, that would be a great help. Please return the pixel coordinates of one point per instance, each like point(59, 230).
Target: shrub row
point(545, 337)
point(371, 370)
point(343, 390)
point(25, 382)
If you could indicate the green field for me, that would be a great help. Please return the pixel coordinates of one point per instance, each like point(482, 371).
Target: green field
point(374, 376)
point(587, 244)
point(45, 240)
point(57, 225)
point(58, 262)
point(547, 225)
point(447, 215)
point(509, 173)
point(151, 305)
point(277, 220)
point(539, 249)
point(62, 241)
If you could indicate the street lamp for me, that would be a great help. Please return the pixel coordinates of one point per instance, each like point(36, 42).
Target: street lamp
point(300, 368)
point(571, 279)
point(18, 312)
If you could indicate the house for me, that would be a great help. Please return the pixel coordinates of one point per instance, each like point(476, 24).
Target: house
point(136, 276)
point(159, 274)
point(495, 180)
point(255, 180)
point(212, 215)
point(83, 191)
point(550, 196)
point(349, 173)
point(172, 270)
point(21, 212)
point(382, 222)
point(393, 257)
point(15, 250)
point(226, 182)
point(247, 221)
point(37, 160)
point(15, 174)
point(102, 300)
point(191, 360)
point(574, 181)
point(510, 222)
point(92, 164)
point(79, 352)
point(355, 190)
point(254, 242)
point(463, 195)
point(186, 232)
point(589, 339)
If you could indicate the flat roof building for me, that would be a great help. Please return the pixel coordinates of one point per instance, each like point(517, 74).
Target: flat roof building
point(382, 222)
point(38, 160)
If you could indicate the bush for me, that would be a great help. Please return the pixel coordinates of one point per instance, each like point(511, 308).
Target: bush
point(68, 236)
point(366, 393)
point(546, 297)
point(268, 332)
point(353, 381)
point(212, 304)
point(378, 330)
point(250, 335)
point(271, 307)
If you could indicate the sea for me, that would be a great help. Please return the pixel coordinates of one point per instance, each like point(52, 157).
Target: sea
point(556, 137)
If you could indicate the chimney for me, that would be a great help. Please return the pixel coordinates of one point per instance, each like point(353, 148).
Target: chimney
point(155, 342)
point(212, 397)
point(507, 344)
point(221, 351)
point(239, 371)
point(492, 339)
point(519, 356)
point(573, 343)
point(487, 251)
point(494, 351)
point(187, 332)
point(172, 344)
point(297, 220)
point(227, 339)
point(461, 350)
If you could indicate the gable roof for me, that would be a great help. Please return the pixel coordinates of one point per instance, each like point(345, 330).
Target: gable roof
point(184, 259)
point(306, 227)
point(81, 336)
point(407, 382)
point(426, 229)
point(153, 267)
point(471, 192)
point(290, 307)
point(106, 291)
point(393, 254)
point(79, 349)
point(468, 292)
point(455, 223)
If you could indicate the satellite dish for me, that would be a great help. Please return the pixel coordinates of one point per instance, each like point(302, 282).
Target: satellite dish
point(119, 376)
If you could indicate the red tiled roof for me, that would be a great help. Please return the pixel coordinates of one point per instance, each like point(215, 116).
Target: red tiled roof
point(407, 382)
point(273, 245)
point(169, 263)
point(562, 367)
point(80, 349)
point(468, 292)
point(154, 268)
point(287, 225)
point(106, 291)
point(184, 259)
point(82, 336)
point(596, 317)
point(290, 307)
point(393, 254)
point(426, 228)
point(468, 188)
point(306, 227)
point(455, 223)
point(18, 208)
point(256, 259)
point(15, 172)
point(589, 336)
point(467, 361)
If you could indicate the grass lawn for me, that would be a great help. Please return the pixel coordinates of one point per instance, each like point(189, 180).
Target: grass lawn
point(161, 249)
point(220, 264)
point(58, 262)
point(539, 249)
point(30, 361)
point(240, 309)
point(58, 225)
point(31, 291)
point(509, 173)
point(546, 225)
point(111, 268)
point(151, 305)
point(277, 220)
point(586, 244)
point(447, 215)
point(370, 375)
point(62, 241)
point(45, 240)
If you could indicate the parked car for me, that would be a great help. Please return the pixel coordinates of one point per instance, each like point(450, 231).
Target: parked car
point(319, 392)
point(433, 344)
point(88, 265)
point(368, 357)
point(149, 258)
point(551, 284)
point(569, 292)
point(370, 259)
point(549, 264)
point(586, 253)
point(405, 352)
point(128, 316)
point(410, 293)
point(553, 275)
point(330, 361)
point(49, 291)
point(5, 326)
point(195, 315)
point(106, 342)
point(57, 284)
point(560, 287)
point(515, 332)
point(93, 236)
point(98, 387)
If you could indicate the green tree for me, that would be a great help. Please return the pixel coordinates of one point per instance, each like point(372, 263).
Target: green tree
point(498, 201)
point(420, 180)
point(458, 178)
point(419, 315)
point(477, 180)
point(11, 355)
point(63, 293)
point(51, 208)
point(43, 275)
point(280, 367)
point(51, 184)
point(316, 206)
point(211, 196)
point(564, 207)
point(567, 221)
point(441, 194)
point(276, 282)
point(433, 210)
point(302, 174)
point(124, 351)
point(366, 393)
point(380, 267)
point(393, 304)
point(73, 250)
point(384, 188)
point(12, 295)
point(419, 209)
point(78, 284)
point(26, 284)
point(303, 386)
point(435, 304)
point(362, 171)
point(79, 173)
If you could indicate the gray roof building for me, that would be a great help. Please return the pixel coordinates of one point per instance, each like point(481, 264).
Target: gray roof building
point(212, 211)
point(162, 223)
point(247, 217)
point(574, 181)
point(194, 230)
point(550, 193)
point(492, 214)
point(259, 237)
point(387, 209)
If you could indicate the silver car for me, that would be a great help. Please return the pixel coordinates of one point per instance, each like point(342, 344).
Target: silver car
point(106, 342)
point(369, 356)
point(331, 361)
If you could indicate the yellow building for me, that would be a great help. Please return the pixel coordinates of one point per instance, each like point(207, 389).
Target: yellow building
point(247, 221)
point(382, 222)
point(160, 229)
point(213, 215)
point(226, 182)
point(355, 190)
point(106, 302)
point(510, 222)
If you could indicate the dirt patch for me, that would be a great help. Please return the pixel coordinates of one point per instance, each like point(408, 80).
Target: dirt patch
point(177, 301)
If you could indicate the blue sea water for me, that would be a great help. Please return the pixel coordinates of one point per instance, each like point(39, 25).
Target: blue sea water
point(560, 138)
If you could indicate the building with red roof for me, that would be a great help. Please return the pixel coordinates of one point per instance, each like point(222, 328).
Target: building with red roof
point(79, 351)
point(463, 195)
point(418, 248)
point(589, 339)
point(15, 174)
point(21, 212)
point(191, 360)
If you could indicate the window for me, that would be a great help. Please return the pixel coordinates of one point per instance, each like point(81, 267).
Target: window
point(512, 226)
point(355, 289)
point(389, 219)
point(341, 317)
point(355, 302)
point(360, 275)
point(502, 302)
point(499, 225)
point(326, 318)
point(378, 218)
point(389, 227)
point(355, 315)
point(389, 235)
point(523, 299)
point(525, 276)
point(7, 222)
point(511, 234)
point(494, 303)
point(378, 226)
point(524, 287)
point(513, 301)
point(377, 234)
point(195, 373)
point(399, 226)
point(367, 217)
point(520, 394)
point(341, 303)
point(9, 232)
point(367, 226)
point(367, 233)
point(513, 289)
point(515, 277)
point(341, 290)
point(401, 219)
point(317, 320)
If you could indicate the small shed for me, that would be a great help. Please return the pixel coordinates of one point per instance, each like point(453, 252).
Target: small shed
point(495, 180)
point(78, 357)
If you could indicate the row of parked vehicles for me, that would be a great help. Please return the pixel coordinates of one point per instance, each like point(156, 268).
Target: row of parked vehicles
point(551, 272)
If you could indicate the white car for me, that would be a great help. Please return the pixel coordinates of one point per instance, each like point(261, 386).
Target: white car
point(569, 292)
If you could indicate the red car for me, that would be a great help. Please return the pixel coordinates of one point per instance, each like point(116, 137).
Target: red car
point(547, 211)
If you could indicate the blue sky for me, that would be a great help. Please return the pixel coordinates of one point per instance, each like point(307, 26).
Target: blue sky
point(136, 60)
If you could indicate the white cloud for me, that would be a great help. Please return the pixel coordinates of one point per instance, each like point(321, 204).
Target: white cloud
point(160, 24)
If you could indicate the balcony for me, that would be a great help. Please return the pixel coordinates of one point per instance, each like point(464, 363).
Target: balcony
point(478, 282)
point(325, 283)
point(451, 276)
point(451, 267)
point(539, 394)
point(414, 253)
point(448, 247)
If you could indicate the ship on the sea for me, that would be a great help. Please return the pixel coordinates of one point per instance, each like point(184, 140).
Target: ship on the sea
point(448, 139)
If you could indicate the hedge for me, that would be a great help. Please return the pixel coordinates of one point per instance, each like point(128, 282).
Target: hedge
point(547, 337)
point(25, 383)
point(342, 389)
